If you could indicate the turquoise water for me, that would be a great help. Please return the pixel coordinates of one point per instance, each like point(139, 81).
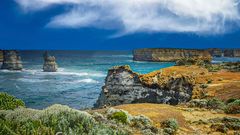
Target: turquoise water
point(78, 81)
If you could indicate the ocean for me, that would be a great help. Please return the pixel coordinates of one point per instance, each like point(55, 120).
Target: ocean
point(77, 83)
point(79, 79)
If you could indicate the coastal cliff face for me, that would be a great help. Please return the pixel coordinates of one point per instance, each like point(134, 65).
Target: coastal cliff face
point(232, 53)
point(1, 55)
point(123, 86)
point(169, 55)
point(11, 60)
point(215, 52)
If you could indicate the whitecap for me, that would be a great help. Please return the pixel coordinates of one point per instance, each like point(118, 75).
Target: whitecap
point(82, 81)
point(30, 80)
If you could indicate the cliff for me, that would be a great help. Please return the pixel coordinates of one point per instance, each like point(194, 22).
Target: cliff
point(11, 60)
point(123, 86)
point(173, 85)
point(215, 52)
point(1, 55)
point(232, 53)
point(169, 55)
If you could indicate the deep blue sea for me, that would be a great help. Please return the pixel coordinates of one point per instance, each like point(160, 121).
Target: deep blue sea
point(79, 78)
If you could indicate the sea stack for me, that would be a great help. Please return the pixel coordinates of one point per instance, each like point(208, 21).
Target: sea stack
point(50, 64)
point(11, 60)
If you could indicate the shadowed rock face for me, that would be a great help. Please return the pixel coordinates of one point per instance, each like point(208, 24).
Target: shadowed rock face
point(215, 52)
point(1, 55)
point(232, 53)
point(11, 60)
point(50, 64)
point(122, 86)
point(169, 55)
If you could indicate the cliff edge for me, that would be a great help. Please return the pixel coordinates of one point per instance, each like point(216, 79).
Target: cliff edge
point(169, 55)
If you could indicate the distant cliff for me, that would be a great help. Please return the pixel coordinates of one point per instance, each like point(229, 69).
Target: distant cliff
point(232, 53)
point(169, 55)
point(1, 55)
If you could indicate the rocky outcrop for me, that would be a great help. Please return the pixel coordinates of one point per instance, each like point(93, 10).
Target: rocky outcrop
point(232, 53)
point(215, 52)
point(1, 55)
point(123, 86)
point(11, 60)
point(169, 55)
point(50, 64)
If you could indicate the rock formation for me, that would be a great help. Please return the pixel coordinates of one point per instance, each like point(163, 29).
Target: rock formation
point(123, 86)
point(1, 56)
point(232, 53)
point(50, 64)
point(215, 52)
point(169, 55)
point(11, 60)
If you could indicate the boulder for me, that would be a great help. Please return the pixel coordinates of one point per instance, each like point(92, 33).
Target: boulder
point(123, 86)
point(11, 60)
point(50, 64)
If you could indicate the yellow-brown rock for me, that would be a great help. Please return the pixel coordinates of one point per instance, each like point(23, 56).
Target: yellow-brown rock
point(169, 55)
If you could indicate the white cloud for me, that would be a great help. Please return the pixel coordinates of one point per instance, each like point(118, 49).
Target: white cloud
point(130, 16)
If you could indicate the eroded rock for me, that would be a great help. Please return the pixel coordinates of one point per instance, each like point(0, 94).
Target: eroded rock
point(11, 60)
point(50, 64)
point(123, 86)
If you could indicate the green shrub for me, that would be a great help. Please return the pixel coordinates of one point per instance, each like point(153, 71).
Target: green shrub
point(201, 103)
point(170, 126)
point(120, 117)
point(8, 102)
point(233, 107)
point(215, 104)
point(52, 120)
point(230, 100)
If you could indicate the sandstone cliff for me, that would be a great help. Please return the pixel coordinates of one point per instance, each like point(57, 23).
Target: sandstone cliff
point(232, 53)
point(123, 86)
point(11, 60)
point(215, 52)
point(169, 55)
point(1, 55)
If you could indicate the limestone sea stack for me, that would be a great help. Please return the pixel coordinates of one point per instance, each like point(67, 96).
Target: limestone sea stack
point(11, 60)
point(123, 86)
point(169, 55)
point(50, 64)
point(1, 56)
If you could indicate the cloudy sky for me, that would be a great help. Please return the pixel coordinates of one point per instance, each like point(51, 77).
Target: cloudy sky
point(119, 24)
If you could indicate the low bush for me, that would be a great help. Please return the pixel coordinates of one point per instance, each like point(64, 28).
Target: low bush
point(201, 103)
point(8, 102)
point(54, 119)
point(120, 117)
point(215, 104)
point(233, 107)
point(170, 126)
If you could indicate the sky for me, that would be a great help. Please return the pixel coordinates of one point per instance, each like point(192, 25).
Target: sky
point(118, 24)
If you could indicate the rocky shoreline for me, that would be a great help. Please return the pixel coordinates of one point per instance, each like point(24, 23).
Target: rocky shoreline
point(173, 85)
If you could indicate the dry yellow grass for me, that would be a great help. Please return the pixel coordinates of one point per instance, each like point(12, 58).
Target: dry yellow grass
point(185, 116)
